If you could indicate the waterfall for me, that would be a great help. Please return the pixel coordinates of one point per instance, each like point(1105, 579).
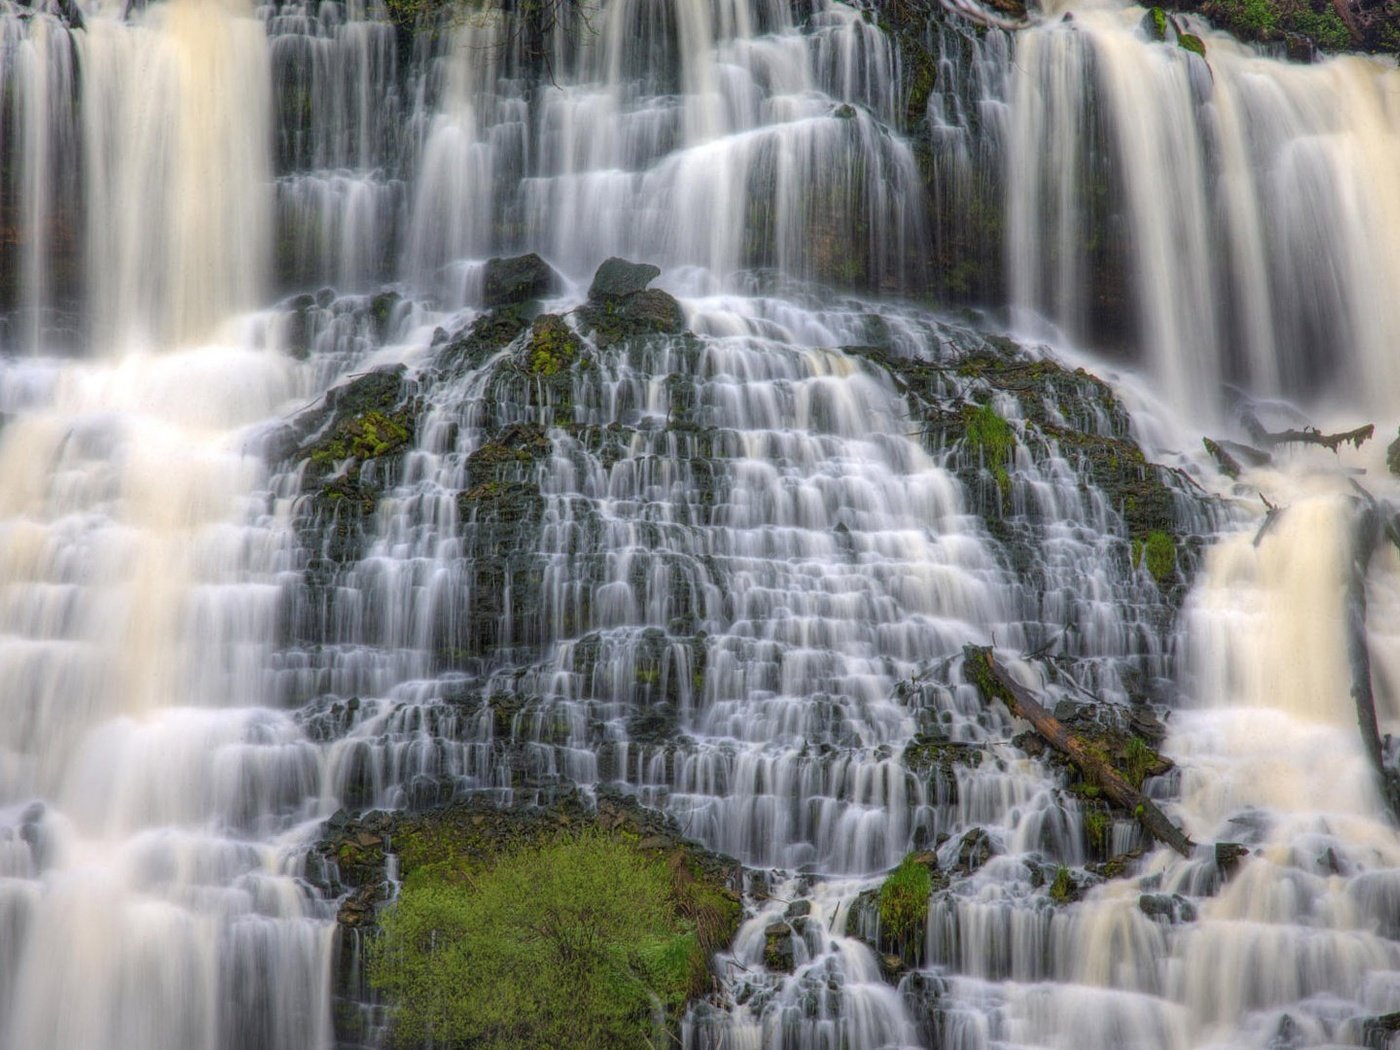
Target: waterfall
point(721, 553)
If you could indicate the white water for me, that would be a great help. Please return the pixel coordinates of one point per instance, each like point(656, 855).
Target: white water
point(170, 679)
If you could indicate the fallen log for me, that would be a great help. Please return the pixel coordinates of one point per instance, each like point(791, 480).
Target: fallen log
point(982, 669)
point(1307, 436)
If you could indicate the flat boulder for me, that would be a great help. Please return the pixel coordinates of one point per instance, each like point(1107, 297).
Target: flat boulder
point(518, 279)
point(618, 278)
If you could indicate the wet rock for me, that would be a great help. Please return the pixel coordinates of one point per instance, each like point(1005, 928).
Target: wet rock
point(381, 312)
point(1172, 908)
point(1377, 1033)
point(552, 348)
point(798, 910)
point(518, 279)
point(618, 278)
point(649, 312)
point(486, 336)
point(1392, 456)
point(975, 849)
point(778, 954)
point(1229, 856)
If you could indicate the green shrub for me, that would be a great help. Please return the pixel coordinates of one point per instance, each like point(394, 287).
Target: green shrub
point(577, 943)
point(1158, 553)
point(993, 437)
point(904, 900)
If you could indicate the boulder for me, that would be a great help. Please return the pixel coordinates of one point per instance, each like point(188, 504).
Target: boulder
point(518, 279)
point(618, 278)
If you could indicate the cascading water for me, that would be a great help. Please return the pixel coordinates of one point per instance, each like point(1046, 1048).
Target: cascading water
point(725, 560)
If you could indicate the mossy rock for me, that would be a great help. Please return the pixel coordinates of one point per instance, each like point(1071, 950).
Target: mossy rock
point(1301, 28)
point(517, 279)
point(1191, 42)
point(648, 312)
point(370, 420)
point(618, 278)
point(1155, 24)
point(362, 437)
point(935, 759)
point(484, 337)
point(551, 349)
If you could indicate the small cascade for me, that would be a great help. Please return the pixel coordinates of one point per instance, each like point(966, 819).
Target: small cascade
point(1222, 216)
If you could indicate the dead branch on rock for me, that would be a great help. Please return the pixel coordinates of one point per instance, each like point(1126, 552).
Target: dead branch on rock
point(1307, 436)
point(983, 670)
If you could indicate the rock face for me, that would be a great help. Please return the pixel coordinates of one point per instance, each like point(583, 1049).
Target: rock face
point(518, 279)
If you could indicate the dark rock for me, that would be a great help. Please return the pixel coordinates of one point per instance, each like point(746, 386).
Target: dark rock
point(485, 336)
point(618, 278)
point(1377, 1032)
point(1392, 456)
point(1173, 907)
point(1228, 856)
point(649, 312)
point(778, 955)
point(517, 280)
point(974, 851)
point(798, 910)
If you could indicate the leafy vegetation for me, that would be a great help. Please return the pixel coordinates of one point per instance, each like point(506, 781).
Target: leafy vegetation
point(581, 942)
point(904, 899)
point(1157, 552)
point(992, 436)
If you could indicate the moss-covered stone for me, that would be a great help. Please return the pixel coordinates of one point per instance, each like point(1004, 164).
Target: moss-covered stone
point(648, 312)
point(1191, 42)
point(486, 336)
point(517, 280)
point(1300, 26)
point(552, 347)
point(618, 278)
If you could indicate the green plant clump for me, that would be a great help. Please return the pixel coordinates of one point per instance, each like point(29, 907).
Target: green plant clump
point(1158, 553)
point(1062, 889)
point(1138, 760)
point(904, 899)
point(363, 437)
point(991, 435)
point(578, 943)
point(1097, 826)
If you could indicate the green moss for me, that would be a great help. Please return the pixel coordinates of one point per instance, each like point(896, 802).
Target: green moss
point(904, 899)
point(553, 347)
point(1191, 42)
point(1062, 889)
point(565, 944)
point(1097, 826)
point(1159, 22)
point(362, 437)
point(1272, 20)
point(1158, 553)
point(991, 436)
point(1139, 760)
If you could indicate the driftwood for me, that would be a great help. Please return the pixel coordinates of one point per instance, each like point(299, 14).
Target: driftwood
point(1307, 436)
point(991, 678)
